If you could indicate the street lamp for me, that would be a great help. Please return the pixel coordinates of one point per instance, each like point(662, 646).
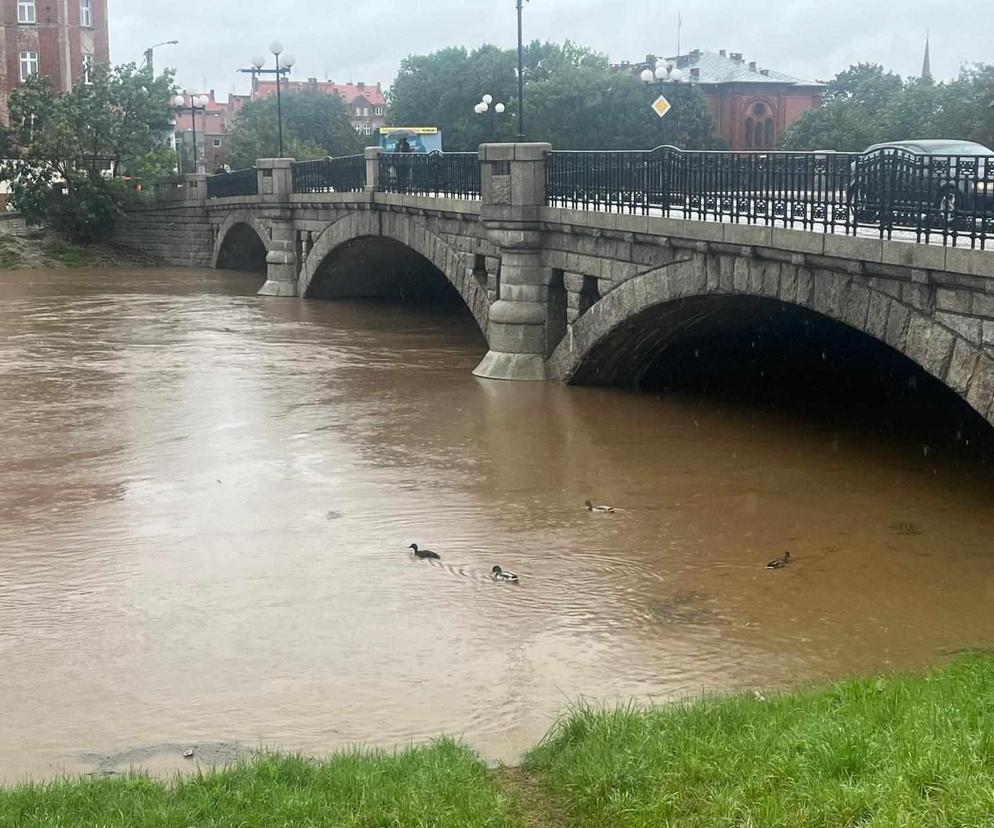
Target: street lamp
point(197, 103)
point(257, 63)
point(150, 49)
point(486, 105)
point(667, 73)
point(521, 78)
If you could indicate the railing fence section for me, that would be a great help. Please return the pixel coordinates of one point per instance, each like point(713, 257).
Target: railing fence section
point(947, 199)
point(235, 183)
point(444, 174)
point(330, 175)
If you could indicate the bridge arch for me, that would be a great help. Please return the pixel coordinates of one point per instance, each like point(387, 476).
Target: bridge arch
point(404, 234)
point(621, 336)
point(241, 242)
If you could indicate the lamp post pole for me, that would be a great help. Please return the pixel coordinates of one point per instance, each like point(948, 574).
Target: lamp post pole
point(149, 51)
point(521, 78)
point(198, 103)
point(257, 63)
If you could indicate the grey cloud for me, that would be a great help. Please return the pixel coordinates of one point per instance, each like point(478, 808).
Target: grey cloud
point(366, 40)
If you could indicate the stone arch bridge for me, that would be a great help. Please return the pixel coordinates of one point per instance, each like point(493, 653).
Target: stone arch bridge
point(583, 295)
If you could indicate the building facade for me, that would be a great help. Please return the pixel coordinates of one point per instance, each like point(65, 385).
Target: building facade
point(212, 132)
point(751, 107)
point(62, 39)
point(365, 102)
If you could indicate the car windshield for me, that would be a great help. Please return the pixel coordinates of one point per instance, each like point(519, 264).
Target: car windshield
point(958, 148)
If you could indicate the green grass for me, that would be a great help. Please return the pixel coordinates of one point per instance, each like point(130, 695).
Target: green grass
point(902, 750)
point(440, 785)
point(907, 750)
point(67, 255)
point(10, 257)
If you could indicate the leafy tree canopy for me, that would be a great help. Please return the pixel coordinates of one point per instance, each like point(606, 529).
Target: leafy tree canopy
point(74, 148)
point(314, 125)
point(573, 99)
point(867, 105)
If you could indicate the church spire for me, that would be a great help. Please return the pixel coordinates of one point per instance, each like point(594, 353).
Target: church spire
point(927, 63)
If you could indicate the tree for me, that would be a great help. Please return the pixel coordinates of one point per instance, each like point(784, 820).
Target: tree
point(573, 100)
point(75, 148)
point(867, 105)
point(314, 125)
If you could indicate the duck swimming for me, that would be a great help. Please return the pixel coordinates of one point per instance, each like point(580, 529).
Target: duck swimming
point(591, 508)
point(779, 563)
point(500, 575)
point(424, 554)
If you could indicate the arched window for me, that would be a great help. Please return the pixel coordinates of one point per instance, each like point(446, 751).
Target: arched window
point(750, 134)
point(768, 133)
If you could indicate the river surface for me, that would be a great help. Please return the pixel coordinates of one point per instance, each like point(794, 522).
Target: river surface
point(206, 499)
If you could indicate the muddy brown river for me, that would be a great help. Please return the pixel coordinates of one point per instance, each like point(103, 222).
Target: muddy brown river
point(206, 499)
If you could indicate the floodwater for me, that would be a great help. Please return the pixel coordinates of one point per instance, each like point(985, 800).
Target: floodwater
point(206, 499)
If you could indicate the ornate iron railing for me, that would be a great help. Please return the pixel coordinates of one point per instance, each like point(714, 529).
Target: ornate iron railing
point(947, 199)
point(330, 175)
point(446, 174)
point(236, 183)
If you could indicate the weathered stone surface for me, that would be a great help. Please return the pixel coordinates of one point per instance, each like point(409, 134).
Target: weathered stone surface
point(962, 366)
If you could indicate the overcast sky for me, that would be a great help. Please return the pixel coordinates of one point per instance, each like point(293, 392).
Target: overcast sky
point(366, 39)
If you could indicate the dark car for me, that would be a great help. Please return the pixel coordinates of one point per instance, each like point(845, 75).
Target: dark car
point(937, 181)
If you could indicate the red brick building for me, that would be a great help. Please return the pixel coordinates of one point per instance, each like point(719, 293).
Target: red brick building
point(212, 130)
point(751, 107)
point(58, 38)
point(365, 102)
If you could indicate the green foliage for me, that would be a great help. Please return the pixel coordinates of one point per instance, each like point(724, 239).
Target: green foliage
point(867, 105)
point(314, 125)
point(910, 750)
point(75, 147)
point(572, 99)
point(443, 785)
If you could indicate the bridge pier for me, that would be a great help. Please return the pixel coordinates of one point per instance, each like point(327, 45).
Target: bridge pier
point(512, 179)
point(276, 187)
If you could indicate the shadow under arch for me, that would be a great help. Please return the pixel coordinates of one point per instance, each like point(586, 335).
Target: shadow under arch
point(670, 329)
point(360, 256)
point(242, 243)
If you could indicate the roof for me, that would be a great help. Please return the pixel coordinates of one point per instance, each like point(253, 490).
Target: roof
point(348, 92)
point(730, 67)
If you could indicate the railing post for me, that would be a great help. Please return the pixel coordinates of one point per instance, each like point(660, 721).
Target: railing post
point(275, 189)
point(373, 169)
point(195, 188)
point(512, 180)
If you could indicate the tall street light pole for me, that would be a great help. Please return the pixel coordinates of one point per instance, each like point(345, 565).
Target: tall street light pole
point(152, 48)
point(257, 63)
point(521, 77)
point(198, 103)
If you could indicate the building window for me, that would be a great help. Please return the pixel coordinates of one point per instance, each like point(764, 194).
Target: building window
point(26, 11)
point(85, 12)
point(768, 133)
point(378, 110)
point(87, 68)
point(216, 142)
point(750, 134)
point(29, 65)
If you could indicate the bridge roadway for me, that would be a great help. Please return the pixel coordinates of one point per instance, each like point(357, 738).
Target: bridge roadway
point(584, 295)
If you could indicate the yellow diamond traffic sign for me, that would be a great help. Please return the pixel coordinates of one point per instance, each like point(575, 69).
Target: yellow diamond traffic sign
point(661, 106)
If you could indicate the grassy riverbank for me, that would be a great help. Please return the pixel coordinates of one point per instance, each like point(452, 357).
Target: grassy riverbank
point(36, 248)
point(909, 750)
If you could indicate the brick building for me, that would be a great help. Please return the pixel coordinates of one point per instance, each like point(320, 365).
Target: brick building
point(212, 131)
point(58, 38)
point(365, 102)
point(751, 107)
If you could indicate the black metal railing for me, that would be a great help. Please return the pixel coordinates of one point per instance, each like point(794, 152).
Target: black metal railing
point(444, 174)
point(947, 199)
point(236, 183)
point(330, 175)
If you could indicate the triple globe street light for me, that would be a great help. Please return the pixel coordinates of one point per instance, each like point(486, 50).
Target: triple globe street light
point(486, 105)
point(196, 103)
point(280, 71)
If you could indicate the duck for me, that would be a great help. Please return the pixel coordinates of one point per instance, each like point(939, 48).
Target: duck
point(500, 575)
point(424, 554)
point(779, 563)
point(591, 508)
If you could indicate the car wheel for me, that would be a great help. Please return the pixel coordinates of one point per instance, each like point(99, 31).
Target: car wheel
point(948, 205)
point(859, 212)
